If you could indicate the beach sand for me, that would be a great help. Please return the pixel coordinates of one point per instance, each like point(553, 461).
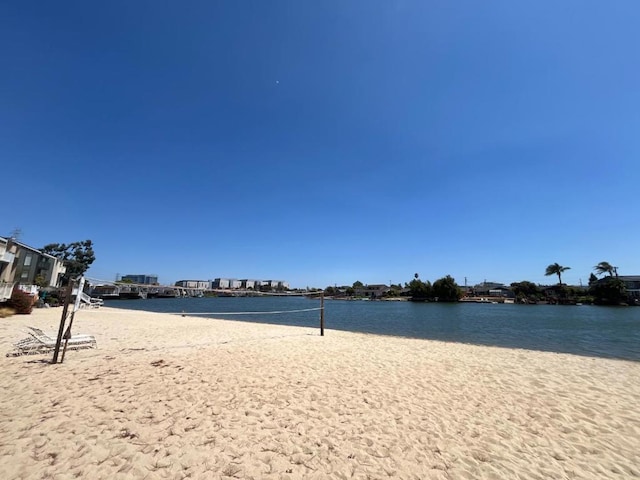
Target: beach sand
point(178, 397)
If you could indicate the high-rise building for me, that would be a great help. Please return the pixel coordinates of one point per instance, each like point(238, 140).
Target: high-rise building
point(142, 279)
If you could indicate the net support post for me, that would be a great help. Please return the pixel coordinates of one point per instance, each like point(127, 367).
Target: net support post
point(322, 314)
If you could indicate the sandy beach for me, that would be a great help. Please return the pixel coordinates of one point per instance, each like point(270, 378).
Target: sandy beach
point(170, 397)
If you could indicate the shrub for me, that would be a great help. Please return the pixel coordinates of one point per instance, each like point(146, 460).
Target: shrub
point(21, 302)
point(52, 301)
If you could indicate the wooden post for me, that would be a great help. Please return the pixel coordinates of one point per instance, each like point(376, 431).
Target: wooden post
point(64, 349)
point(63, 319)
point(322, 314)
point(76, 307)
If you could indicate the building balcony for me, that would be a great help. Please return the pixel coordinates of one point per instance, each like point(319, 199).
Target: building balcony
point(5, 291)
point(7, 257)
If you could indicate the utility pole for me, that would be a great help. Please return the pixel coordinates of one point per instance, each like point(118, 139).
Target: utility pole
point(16, 234)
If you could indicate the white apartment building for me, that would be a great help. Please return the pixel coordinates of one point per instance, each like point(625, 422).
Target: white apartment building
point(199, 284)
point(23, 265)
point(232, 283)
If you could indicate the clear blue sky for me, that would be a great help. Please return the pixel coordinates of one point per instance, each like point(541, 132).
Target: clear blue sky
point(325, 142)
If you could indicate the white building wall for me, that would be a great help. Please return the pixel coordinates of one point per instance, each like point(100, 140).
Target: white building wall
point(221, 283)
point(245, 283)
point(57, 271)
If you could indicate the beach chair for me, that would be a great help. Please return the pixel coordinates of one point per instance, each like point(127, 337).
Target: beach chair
point(39, 342)
point(96, 303)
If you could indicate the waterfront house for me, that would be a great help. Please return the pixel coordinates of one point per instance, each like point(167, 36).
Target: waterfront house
point(371, 291)
point(25, 266)
point(489, 289)
point(632, 284)
point(7, 256)
point(31, 265)
point(502, 291)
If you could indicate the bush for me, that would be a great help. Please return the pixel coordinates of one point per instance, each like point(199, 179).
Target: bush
point(21, 302)
point(52, 301)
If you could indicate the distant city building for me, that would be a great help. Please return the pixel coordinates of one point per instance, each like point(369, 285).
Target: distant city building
point(249, 284)
point(199, 284)
point(220, 283)
point(232, 283)
point(141, 279)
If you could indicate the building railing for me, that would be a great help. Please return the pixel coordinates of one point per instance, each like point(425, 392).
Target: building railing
point(90, 301)
point(6, 289)
point(7, 257)
point(29, 289)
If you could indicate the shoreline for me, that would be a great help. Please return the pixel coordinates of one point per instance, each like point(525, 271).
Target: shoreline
point(489, 326)
point(166, 396)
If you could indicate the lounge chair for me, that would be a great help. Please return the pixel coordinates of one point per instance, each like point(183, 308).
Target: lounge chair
point(87, 301)
point(39, 342)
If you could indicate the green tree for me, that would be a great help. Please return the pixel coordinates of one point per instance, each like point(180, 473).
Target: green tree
point(350, 291)
point(556, 269)
point(605, 267)
point(77, 257)
point(526, 289)
point(392, 292)
point(609, 291)
point(420, 291)
point(358, 284)
point(40, 281)
point(592, 279)
point(446, 289)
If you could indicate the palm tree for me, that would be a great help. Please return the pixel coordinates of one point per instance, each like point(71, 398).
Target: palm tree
point(605, 267)
point(556, 269)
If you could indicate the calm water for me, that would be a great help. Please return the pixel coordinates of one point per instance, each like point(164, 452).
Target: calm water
point(612, 332)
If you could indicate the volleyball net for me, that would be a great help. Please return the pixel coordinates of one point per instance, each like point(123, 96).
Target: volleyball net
point(186, 305)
